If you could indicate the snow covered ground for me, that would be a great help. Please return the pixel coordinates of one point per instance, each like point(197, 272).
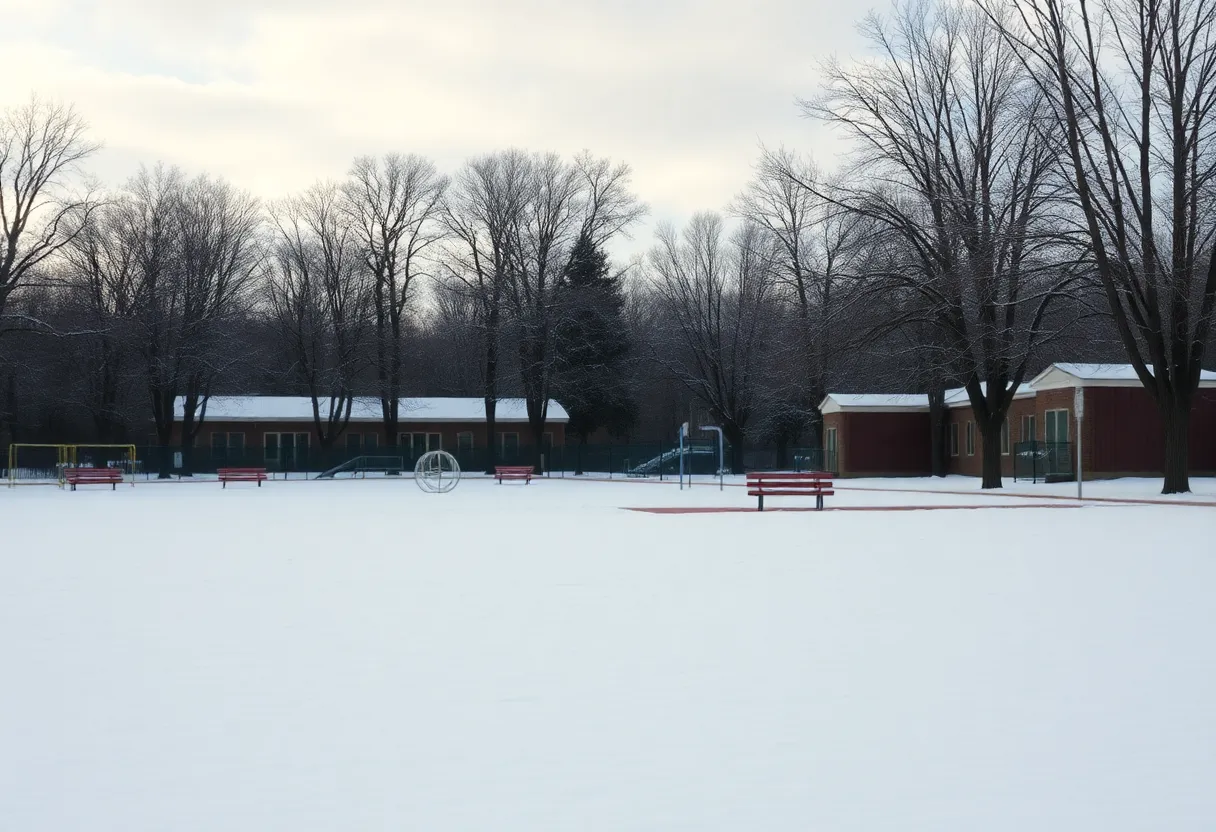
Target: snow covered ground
point(363, 656)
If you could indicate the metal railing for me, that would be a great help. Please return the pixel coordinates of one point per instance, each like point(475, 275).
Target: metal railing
point(1040, 461)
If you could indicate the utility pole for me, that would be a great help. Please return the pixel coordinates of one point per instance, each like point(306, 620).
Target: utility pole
point(1078, 406)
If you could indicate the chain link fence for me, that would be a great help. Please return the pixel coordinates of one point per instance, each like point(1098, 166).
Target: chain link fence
point(658, 460)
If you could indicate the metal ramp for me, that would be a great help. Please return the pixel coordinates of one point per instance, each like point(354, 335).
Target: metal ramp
point(361, 466)
point(653, 466)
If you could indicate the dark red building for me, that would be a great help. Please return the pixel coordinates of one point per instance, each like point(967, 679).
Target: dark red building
point(889, 435)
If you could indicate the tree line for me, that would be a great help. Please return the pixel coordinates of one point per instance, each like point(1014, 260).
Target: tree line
point(1024, 182)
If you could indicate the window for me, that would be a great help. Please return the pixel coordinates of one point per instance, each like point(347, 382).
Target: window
point(509, 444)
point(416, 444)
point(226, 446)
point(971, 439)
point(287, 448)
point(1005, 438)
point(954, 439)
point(371, 441)
point(1028, 428)
point(464, 442)
point(829, 462)
point(353, 442)
point(1055, 426)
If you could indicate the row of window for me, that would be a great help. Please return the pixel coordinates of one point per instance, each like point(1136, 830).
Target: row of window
point(1055, 430)
point(281, 446)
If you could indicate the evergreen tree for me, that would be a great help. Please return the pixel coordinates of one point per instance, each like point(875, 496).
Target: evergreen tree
point(593, 347)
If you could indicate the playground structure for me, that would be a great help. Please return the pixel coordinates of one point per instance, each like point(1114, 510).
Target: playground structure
point(361, 466)
point(437, 472)
point(34, 463)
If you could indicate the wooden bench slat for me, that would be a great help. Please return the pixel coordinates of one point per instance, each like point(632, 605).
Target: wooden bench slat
point(227, 475)
point(92, 476)
point(514, 472)
point(817, 484)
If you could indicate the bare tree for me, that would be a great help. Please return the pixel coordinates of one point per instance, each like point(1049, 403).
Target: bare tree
point(562, 202)
point(715, 294)
point(194, 252)
point(481, 210)
point(394, 205)
point(100, 286)
point(321, 300)
point(815, 243)
point(1132, 84)
point(41, 147)
point(954, 153)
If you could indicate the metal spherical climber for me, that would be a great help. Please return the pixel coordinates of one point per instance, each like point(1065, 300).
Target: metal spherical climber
point(437, 472)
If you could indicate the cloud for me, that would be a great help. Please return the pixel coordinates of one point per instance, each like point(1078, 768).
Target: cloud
point(275, 95)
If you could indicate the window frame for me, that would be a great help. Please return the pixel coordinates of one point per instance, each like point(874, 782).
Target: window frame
point(502, 441)
point(1006, 437)
point(970, 437)
point(460, 445)
point(1047, 419)
point(1031, 420)
point(953, 439)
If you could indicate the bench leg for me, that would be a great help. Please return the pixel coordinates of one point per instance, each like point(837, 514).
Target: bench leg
point(259, 483)
point(761, 502)
point(818, 502)
point(223, 483)
point(113, 486)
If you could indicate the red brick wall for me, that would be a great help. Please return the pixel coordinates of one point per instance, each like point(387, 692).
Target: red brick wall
point(889, 443)
point(254, 432)
point(1123, 432)
point(880, 444)
point(973, 465)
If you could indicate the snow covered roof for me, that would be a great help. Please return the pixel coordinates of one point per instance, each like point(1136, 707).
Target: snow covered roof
point(434, 409)
point(874, 402)
point(1064, 375)
point(900, 402)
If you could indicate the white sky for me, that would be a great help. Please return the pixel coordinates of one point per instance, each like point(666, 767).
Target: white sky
point(276, 94)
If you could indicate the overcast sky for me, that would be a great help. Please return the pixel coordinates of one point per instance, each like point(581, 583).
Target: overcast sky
point(276, 94)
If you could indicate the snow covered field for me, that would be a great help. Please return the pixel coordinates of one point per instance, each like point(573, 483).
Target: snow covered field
point(363, 656)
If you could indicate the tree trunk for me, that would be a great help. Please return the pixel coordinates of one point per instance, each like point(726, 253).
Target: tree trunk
point(390, 410)
point(165, 470)
point(1176, 420)
point(734, 436)
point(491, 445)
point(537, 425)
point(990, 454)
point(939, 462)
point(187, 458)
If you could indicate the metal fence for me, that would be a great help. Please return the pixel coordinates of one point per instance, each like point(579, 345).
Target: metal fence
point(1043, 461)
point(659, 460)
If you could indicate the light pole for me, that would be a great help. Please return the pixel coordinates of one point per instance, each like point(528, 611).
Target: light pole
point(1078, 406)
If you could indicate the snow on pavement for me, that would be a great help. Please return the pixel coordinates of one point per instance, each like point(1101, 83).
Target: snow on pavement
point(359, 655)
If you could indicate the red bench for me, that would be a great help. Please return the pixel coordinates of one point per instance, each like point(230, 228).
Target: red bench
point(228, 475)
point(513, 472)
point(92, 476)
point(806, 484)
